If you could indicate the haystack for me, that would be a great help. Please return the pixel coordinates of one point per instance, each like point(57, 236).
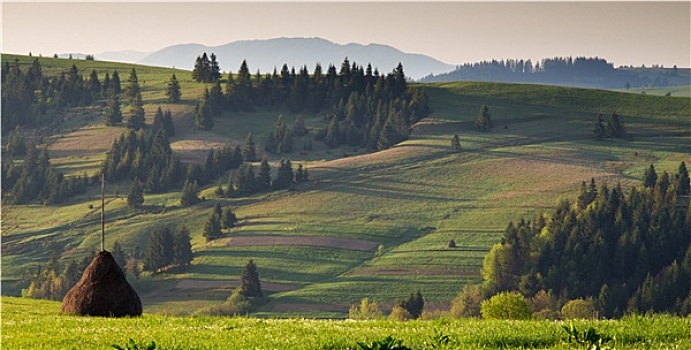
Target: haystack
point(102, 291)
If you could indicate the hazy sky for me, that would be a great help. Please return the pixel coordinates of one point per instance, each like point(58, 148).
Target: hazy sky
point(626, 33)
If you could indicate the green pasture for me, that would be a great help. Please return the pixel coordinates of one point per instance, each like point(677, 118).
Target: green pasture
point(34, 324)
point(411, 199)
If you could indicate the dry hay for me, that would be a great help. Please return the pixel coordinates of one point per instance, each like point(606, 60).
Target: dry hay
point(102, 291)
point(318, 241)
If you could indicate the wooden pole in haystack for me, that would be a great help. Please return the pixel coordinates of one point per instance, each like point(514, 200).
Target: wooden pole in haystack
point(103, 289)
point(103, 213)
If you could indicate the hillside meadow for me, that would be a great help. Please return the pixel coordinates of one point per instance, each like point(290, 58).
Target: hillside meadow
point(36, 324)
point(371, 225)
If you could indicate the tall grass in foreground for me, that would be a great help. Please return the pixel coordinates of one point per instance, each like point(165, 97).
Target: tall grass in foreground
point(33, 324)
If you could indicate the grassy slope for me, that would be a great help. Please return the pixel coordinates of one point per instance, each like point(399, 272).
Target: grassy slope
point(540, 150)
point(24, 327)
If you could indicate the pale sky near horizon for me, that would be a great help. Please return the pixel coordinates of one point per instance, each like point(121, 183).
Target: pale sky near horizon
point(626, 33)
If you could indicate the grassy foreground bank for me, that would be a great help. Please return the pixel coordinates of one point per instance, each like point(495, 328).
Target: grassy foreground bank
point(36, 324)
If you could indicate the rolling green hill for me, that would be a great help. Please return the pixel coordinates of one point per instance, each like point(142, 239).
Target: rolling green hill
point(367, 225)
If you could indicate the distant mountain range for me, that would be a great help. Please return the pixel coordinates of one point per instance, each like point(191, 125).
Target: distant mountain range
point(265, 55)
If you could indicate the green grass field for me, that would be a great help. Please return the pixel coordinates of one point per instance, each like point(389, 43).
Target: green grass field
point(24, 325)
point(411, 199)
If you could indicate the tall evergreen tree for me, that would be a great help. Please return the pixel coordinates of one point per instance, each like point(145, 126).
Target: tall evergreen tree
point(203, 116)
point(249, 152)
point(94, 84)
point(250, 286)
point(182, 250)
point(137, 117)
point(285, 176)
point(159, 249)
point(168, 124)
point(682, 180)
point(133, 89)
point(116, 84)
point(135, 199)
point(650, 177)
point(615, 127)
point(214, 69)
point(483, 122)
point(16, 146)
point(264, 176)
point(189, 194)
point(212, 227)
point(173, 92)
point(228, 219)
point(157, 124)
point(112, 114)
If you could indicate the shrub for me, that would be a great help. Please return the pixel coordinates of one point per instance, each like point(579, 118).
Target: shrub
point(579, 309)
point(506, 306)
point(545, 306)
point(467, 303)
point(398, 313)
point(365, 311)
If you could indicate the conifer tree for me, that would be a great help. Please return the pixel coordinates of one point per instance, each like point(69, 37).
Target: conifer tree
point(682, 180)
point(116, 84)
point(107, 86)
point(483, 122)
point(189, 194)
point(137, 118)
point(285, 176)
point(455, 143)
point(203, 118)
point(250, 286)
point(135, 199)
point(159, 249)
point(182, 250)
point(301, 174)
point(264, 176)
point(249, 152)
point(157, 124)
point(615, 127)
point(228, 219)
point(168, 124)
point(649, 177)
point(414, 304)
point(212, 227)
point(173, 92)
point(94, 84)
point(133, 88)
point(112, 114)
point(214, 69)
point(15, 143)
point(299, 128)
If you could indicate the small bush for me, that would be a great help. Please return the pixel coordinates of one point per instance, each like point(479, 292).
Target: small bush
point(467, 303)
point(365, 311)
point(398, 313)
point(579, 309)
point(506, 306)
